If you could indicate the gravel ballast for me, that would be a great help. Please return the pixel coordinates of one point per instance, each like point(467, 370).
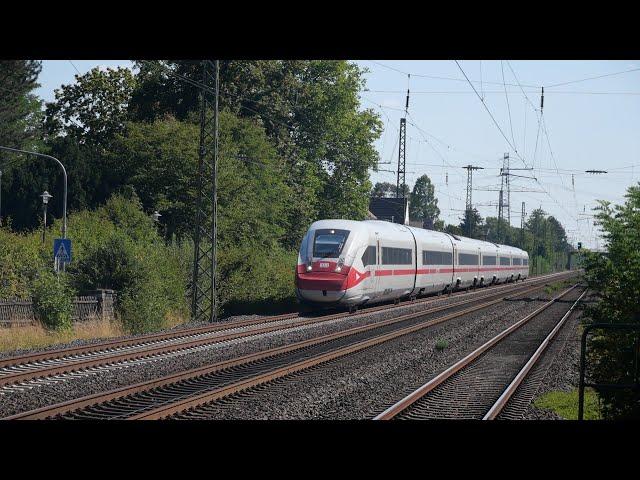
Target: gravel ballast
point(362, 385)
point(557, 370)
point(74, 387)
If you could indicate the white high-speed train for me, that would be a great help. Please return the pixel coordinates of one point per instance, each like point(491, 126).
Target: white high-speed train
point(351, 263)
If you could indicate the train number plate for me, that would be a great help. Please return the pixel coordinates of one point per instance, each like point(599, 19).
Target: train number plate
point(324, 265)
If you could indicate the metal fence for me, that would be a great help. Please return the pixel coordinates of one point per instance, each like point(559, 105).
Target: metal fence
point(97, 305)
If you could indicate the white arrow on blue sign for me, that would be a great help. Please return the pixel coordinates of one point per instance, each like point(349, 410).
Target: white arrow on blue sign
point(62, 250)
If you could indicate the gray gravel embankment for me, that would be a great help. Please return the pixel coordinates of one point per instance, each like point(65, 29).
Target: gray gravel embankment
point(364, 384)
point(74, 387)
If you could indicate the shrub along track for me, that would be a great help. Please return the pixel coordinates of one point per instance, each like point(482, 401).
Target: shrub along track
point(474, 387)
point(26, 368)
point(166, 396)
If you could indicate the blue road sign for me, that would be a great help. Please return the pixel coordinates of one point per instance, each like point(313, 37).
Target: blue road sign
point(62, 250)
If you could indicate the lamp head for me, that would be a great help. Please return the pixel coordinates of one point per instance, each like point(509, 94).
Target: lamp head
point(45, 197)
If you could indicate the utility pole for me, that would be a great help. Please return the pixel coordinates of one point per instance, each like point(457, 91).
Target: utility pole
point(500, 214)
point(469, 206)
point(203, 286)
point(505, 173)
point(522, 214)
point(402, 154)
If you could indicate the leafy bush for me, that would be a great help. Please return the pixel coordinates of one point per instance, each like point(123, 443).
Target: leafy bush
point(130, 257)
point(615, 278)
point(21, 257)
point(254, 279)
point(53, 299)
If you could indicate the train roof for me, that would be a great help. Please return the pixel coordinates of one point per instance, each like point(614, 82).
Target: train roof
point(389, 227)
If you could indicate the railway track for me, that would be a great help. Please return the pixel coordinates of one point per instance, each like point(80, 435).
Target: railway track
point(54, 365)
point(474, 387)
point(167, 396)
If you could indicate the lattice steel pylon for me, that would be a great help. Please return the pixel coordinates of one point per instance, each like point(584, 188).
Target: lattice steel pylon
point(402, 154)
point(500, 213)
point(506, 172)
point(522, 215)
point(402, 159)
point(203, 284)
point(469, 203)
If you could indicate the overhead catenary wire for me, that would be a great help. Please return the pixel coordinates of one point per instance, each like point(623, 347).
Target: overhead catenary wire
point(593, 78)
point(508, 107)
point(435, 77)
point(549, 145)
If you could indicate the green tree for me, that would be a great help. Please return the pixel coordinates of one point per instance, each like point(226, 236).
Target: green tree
point(160, 160)
point(615, 278)
point(423, 205)
point(20, 116)
point(471, 225)
point(453, 229)
point(94, 108)
point(387, 189)
point(310, 111)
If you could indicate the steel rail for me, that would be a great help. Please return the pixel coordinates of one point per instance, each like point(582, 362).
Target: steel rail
point(100, 398)
point(18, 360)
point(417, 394)
point(502, 401)
point(145, 351)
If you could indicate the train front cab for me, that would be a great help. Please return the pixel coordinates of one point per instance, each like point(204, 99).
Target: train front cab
point(324, 264)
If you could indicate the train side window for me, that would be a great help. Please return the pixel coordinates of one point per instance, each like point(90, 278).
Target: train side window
point(369, 256)
point(488, 259)
point(467, 259)
point(430, 257)
point(505, 261)
point(396, 256)
point(525, 261)
point(517, 261)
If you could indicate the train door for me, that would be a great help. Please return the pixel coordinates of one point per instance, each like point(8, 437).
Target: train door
point(478, 274)
point(375, 279)
point(370, 259)
point(454, 263)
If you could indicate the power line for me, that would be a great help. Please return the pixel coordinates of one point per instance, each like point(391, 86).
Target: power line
point(78, 71)
point(593, 78)
point(507, 97)
point(546, 133)
point(522, 89)
point(500, 92)
point(435, 77)
point(490, 114)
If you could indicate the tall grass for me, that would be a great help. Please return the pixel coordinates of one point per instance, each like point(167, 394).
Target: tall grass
point(36, 336)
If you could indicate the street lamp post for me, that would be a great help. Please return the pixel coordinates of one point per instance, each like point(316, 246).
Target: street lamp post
point(45, 201)
point(64, 172)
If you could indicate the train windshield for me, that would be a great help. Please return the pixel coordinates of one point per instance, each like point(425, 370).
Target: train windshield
point(328, 243)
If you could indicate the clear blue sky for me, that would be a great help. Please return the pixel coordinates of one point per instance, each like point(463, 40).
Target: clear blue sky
point(590, 125)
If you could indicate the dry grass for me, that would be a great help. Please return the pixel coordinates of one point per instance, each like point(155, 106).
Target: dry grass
point(35, 336)
point(173, 319)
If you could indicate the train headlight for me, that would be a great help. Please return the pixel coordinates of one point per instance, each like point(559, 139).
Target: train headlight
point(340, 264)
point(309, 268)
